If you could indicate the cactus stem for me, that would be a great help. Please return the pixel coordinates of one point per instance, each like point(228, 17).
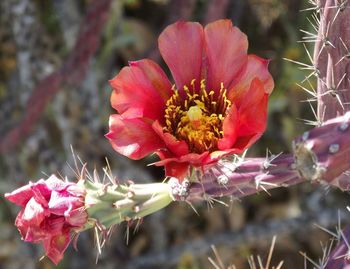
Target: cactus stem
point(320, 155)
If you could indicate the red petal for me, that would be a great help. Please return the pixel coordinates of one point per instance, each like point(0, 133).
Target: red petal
point(54, 225)
point(217, 155)
point(29, 232)
point(41, 192)
point(253, 110)
point(191, 158)
point(56, 184)
point(178, 170)
point(34, 213)
point(20, 196)
point(178, 167)
point(176, 147)
point(140, 90)
point(133, 138)
point(61, 203)
point(256, 68)
point(77, 217)
point(181, 45)
point(55, 247)
point(229, 127)
point(226, 50)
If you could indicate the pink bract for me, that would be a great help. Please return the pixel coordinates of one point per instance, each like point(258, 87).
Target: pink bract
point(217, 107)
point(51, 210)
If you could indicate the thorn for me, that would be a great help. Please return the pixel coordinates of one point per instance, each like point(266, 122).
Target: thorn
point(193, 208)
point(269, 159)
point(314, 6)
point(259, 183)
point(347, 54)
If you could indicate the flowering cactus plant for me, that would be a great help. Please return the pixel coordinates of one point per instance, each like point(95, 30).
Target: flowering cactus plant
point(216, 109)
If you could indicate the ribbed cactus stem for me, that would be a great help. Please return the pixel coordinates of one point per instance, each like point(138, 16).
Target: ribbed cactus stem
point(332, 58)
point(252, 175)
point(109, 204)
point(320, 155)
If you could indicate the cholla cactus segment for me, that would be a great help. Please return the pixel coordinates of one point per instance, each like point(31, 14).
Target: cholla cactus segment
point(331, 58)
point(340, 256)
point(242, 177)
point(110, 204)
point(323, 154)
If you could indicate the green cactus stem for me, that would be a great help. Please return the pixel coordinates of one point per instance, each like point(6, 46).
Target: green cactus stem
point(110, 204)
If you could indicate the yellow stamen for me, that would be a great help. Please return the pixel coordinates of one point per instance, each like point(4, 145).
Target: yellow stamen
point(197, 116)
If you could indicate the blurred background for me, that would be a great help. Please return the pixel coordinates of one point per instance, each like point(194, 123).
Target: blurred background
point(56, 57)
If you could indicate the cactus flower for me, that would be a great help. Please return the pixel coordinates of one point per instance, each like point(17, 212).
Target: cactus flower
point(217, 106)
point(51, 210)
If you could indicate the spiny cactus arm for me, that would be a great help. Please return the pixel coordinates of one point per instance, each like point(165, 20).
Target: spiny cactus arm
point(320, 155)
point(332, 57)
point(340, 256)
point(229, 178)
point(111, 204)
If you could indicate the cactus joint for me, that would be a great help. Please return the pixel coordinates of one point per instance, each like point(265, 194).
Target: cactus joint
point(306, 162)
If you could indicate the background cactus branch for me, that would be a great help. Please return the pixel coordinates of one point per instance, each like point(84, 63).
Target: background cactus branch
point(331, 58)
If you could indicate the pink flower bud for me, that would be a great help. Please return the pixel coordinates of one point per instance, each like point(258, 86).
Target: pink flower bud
point(51, 210)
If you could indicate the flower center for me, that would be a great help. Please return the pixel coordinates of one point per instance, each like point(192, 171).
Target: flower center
point(197, 117)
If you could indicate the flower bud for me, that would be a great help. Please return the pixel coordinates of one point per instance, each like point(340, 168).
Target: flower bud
point(51, 211)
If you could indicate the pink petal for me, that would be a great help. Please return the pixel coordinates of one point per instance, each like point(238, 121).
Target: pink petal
point(61, 202)
point(29, 232)
point(133, 138)
point(77, 217)
point(174, 146)
point(56, 246)
point(229, 127)
point(41, 192)
point(256, 68)
point(226, 50)
point(20, 196)
point(75, 190)
point(54, 183)
point(141, 90)
point(181, 45)
point(156, 76)
point(54, 225)
point(253, 110)
point(33, 213)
